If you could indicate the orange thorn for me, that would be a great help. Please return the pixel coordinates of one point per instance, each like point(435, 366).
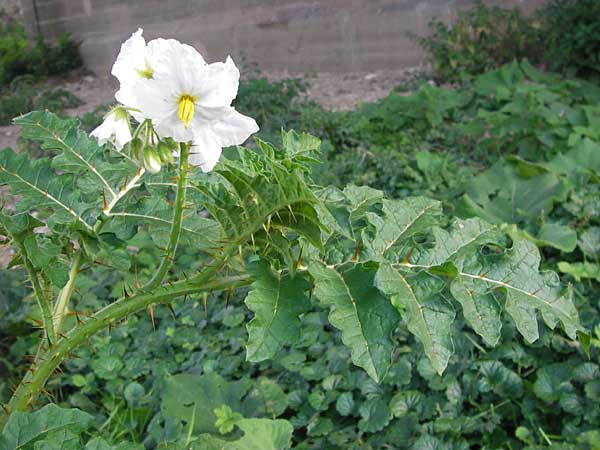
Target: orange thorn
point(151, 312)
point(357, 251)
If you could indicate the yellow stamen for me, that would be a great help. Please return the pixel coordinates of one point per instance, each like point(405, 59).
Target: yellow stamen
point(186, 109)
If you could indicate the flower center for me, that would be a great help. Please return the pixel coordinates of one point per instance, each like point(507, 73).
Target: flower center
point(146, 72)
point(186, 109)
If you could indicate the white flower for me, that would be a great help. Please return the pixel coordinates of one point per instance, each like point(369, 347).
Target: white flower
point(137, 61)
point(115, 128)
point(190, 101)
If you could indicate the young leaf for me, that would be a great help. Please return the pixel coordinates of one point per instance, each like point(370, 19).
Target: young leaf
point(365, 317)
point(277, 300)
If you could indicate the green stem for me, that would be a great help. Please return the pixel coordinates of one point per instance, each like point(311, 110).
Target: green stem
point(42, 300)
point(167, 260)
point(27, 393)
point(65, 294)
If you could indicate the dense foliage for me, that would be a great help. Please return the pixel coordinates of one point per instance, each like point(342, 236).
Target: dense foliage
point(24, 63)
point(563, 35)
point(517, 148)
point(573, 36)
point(482, 38)
point(20, 54)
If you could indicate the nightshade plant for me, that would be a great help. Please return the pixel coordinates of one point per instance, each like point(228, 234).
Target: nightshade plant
point(258, 221)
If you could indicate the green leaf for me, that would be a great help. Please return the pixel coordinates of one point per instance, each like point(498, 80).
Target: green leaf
point(63, 439)
point(527, 290)
point(428, 314)
point(375, 415)
point(277, 300)
point(580, 270)
point(41, 189)
point(344, 404)
point(23, 429)
point(407, 402)
point(265, 399)
point(548, 381)
point(226, 419)
point(401, 220)
point(79, 154)
point(189, 396)
point(462, 237)
point(502, 195)
point(260, 191)
point(259, 434)
point(589, 242)
point(558, 236)
point(364, 316)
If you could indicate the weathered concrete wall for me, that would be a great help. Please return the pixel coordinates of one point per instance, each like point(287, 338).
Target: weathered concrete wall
point(294, 35)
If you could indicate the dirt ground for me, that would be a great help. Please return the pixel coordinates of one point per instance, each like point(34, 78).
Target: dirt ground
point(332, 90)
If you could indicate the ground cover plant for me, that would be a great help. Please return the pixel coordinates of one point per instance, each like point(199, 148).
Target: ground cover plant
point(24, 63)
point(455, 356)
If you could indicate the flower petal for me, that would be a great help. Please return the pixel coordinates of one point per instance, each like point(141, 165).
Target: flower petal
point(206, 150)
point(131, 58)
point(234, 128)
point(217, 85)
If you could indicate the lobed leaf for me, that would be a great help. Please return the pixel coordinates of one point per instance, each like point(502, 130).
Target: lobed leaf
point(277, 300)
point(365, 317)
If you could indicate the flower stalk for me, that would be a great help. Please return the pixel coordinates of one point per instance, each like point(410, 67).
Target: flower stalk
point(165, 264)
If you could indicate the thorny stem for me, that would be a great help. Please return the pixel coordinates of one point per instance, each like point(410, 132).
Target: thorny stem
point(165, 264)
point(65, 294)
point(42, 299)
point(28, 391)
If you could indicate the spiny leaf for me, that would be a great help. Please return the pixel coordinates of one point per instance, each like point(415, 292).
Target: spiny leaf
point(401, 220)
point(364, 316)
point(78, 152)
point(41, 189)
point(257, 192)
point(277, 301)
point(420, 302)
point(527, 290)
point(462, 237)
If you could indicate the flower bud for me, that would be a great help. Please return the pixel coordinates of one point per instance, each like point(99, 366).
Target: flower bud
point(152, 161)
point(165, 152)
point(135, 149)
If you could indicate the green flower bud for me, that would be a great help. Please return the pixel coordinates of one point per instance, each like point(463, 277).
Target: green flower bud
point(152, 161)
point(165, 152)
point(135, 149)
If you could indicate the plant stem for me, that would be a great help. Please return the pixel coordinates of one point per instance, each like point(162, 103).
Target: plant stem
point(42, 300)
point(65, 294)
point(167, 260)
point(27, 392)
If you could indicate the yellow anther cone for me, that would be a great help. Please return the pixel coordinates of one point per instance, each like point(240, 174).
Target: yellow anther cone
point(186, 109)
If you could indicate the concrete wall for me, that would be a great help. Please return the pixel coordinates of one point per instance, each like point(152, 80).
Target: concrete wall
point(295, 35)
